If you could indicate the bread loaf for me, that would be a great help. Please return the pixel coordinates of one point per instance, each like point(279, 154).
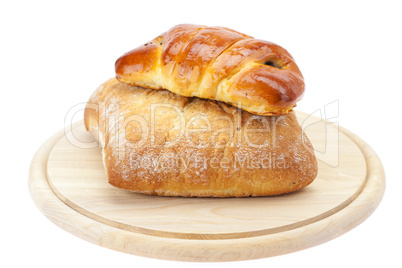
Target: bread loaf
point(160, 143)
point(219, 64)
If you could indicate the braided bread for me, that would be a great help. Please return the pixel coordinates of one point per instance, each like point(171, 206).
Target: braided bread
point(219, 64)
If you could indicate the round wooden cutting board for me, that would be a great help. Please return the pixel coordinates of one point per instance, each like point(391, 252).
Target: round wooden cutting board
point(69, 185)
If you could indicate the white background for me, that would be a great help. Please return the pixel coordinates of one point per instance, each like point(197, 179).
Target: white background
point(54, 54)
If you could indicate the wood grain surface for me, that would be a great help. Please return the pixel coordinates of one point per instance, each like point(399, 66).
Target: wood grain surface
point(69, 185)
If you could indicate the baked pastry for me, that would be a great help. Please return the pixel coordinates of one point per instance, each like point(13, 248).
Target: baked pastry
point(219, 64)
point(160, 143)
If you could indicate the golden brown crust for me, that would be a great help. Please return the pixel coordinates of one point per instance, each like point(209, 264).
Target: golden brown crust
point(216, 63)
point(160, 143)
